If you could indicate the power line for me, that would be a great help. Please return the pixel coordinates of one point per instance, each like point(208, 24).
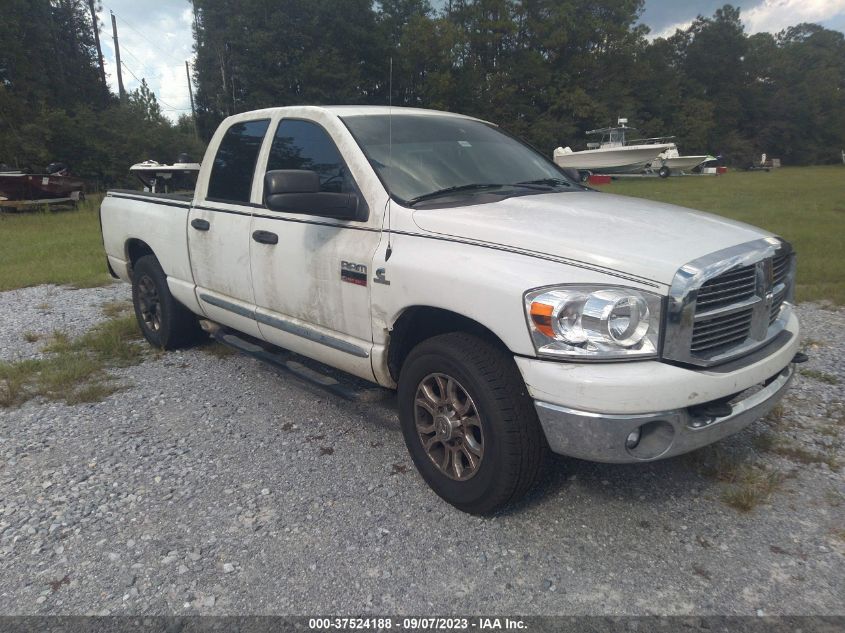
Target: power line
point(157, 45)
point(147, 68)
point(130, 71)
point(144, 66)
point(137, 31)
point(169, 107)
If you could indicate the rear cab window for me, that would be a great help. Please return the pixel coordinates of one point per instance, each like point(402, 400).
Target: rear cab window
point(234, 165)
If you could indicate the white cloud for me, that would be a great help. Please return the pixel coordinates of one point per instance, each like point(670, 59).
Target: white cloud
point(773, 16)
point(670, 30)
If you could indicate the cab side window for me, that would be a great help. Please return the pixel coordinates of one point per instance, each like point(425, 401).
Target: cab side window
point(234, 165)
point(306, 145)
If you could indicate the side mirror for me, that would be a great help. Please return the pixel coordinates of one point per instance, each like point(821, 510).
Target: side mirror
point(298, 191)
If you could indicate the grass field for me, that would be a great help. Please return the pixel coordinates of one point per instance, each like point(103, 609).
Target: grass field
point(57, 247)
point(806, 205)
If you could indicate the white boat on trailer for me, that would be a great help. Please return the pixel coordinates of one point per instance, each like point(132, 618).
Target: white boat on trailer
point(614, 153)
point(160, 178)
point(671, 161)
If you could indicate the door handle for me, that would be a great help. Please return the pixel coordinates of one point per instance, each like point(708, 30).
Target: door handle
point(265, 237)
point(200, 225)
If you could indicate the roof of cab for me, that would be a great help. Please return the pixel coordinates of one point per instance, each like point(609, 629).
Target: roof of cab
point(349, 110)
point(355, 110)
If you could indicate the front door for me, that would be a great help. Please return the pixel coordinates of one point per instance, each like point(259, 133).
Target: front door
point(219, 229)
point(312, 287)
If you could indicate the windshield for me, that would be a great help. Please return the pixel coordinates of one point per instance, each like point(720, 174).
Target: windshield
point(435, 154)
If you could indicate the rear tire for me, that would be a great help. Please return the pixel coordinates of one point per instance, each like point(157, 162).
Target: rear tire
point(164, 322)
point(664, 172)
point(463, 403)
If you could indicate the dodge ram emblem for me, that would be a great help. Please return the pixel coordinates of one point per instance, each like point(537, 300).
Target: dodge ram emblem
point(353, 273)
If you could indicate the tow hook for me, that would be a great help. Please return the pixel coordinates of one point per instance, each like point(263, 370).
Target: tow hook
point(709, 412)
point(800, 357)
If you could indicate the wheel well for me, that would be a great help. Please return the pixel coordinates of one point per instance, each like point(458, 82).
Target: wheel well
point(419, 323)
point(135, 250)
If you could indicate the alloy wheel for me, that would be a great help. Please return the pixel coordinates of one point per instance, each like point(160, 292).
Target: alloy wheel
point(449, 426)
point(149, 303)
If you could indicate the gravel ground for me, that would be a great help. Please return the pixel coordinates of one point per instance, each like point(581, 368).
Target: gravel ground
point(214, 485)
point(41, 310)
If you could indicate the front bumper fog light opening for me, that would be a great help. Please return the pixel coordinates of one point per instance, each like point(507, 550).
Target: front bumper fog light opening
point(650, 440)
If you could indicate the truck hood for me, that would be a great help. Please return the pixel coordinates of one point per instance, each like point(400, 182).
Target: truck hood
point(636, 237)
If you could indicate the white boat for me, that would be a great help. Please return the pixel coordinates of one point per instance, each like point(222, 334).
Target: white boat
point(159, 178)
point(671, 161)
point(613, 154)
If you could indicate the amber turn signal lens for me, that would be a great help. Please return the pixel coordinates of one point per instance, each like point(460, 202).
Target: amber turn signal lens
point(541, 315)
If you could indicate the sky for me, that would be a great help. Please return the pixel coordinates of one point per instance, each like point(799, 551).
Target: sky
point(155, 41)
point(155, 35)
point(664, 16)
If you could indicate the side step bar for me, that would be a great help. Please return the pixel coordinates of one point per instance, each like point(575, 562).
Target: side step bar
point(344, 385)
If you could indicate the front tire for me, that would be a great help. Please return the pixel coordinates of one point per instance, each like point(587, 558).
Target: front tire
point(164, 322)
point(468, 422)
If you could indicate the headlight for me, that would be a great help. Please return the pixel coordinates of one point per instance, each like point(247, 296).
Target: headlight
point(594, 323)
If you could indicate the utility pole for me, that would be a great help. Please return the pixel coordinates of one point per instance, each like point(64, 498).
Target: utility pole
point(190, 88)
point(120, 89)
point(97, 42)
point(191, 94)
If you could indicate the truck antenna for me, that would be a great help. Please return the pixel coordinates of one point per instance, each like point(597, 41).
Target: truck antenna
point(389, 251)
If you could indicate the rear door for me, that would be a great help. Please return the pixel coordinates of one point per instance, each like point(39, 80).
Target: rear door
point(312, 287)
point(219, 227)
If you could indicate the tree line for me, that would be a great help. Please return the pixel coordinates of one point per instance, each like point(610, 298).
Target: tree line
point(56, 106)
point(546, 70)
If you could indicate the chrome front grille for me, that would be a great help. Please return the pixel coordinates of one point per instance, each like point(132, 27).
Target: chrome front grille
point(727, 288)
point(721, 331)
point(781, 282)
point(729, 303)
point(777, 304)
point(780, 268)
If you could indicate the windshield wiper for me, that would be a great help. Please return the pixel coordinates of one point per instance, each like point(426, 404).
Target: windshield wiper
point(455, 189)
point(543, 184)
point(546, 182)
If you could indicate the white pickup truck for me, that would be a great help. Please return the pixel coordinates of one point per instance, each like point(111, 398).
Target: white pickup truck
point(514, 310)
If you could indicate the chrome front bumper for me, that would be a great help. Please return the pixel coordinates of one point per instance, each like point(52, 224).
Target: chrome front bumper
point(608, 438)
